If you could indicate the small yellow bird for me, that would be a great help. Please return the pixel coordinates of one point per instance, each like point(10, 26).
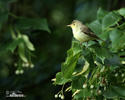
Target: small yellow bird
point(82, 32)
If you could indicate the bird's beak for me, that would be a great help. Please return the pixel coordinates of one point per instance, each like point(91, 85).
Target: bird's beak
point(69, 25)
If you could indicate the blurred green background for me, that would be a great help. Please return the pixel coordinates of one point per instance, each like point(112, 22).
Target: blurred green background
point(50, 48)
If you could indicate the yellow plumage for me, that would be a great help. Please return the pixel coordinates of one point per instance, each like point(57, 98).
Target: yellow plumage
point(82, 32)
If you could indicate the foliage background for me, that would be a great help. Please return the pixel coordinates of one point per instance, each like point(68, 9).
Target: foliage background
point(50, 47)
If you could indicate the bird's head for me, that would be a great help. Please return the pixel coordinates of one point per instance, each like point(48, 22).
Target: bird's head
point(76, 24)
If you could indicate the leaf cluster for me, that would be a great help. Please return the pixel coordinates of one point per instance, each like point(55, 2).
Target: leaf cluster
point(96, 70)
point(17, 27)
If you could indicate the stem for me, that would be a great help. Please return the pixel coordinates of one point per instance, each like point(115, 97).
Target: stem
point(12, 33)
point(62, 89)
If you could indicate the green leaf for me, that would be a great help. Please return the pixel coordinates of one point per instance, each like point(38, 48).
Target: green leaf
point(77, 82)
point(32, 23)
point(101, 63)
point(114, 91)
point(88, 57)
point(109, 20)
point(101, 13)
point(109, 93)
point(69, 65)
point(105, 35)
point(21, 51)
point(28, 43)
point(96, 27)
point(60, 80)
point(84, 68)
point(12, 46)
point(72, 57)
point(122, 26)
point(76, 47)
point(101, 52)
point(119, 90)
point(83, 93)
point(112, 61)
point(117, 38)
point(122, 11)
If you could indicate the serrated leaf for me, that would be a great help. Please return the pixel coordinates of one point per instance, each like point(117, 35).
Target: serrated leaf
point(21, 51)
point(60, 80)
point(69, 65)
point(76, 47)
point(109, 20)
point(96, 27)
point(101, 52)
point(122, 11)
point(109, 93)
point(77, 82)
point(84, 69)
point(105, 35)
point(119, 90)
point(101, 13)
point(114, 91)
point(83, 93)
point(117, 38)
point(32, 23)
point(28, 43)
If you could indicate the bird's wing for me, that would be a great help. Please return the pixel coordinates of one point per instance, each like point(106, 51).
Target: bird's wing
point(89, 32)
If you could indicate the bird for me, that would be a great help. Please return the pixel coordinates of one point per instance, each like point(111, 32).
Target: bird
point(81, 32)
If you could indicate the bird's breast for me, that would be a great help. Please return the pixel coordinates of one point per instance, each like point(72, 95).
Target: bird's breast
point(81, 36)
